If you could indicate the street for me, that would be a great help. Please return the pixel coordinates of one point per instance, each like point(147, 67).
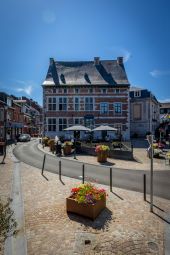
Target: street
point(122, 178)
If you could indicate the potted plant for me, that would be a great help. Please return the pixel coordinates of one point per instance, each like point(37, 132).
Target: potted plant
point(45, 141)
point(102, 153)
point(67, 147)
point(51, 144)
point(86, 200)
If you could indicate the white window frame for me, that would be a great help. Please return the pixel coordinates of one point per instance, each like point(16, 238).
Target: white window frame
point(137, 93)
point(76, 92)
point(104, 89)
point(53, 104)
point(115, 112)
point(65, 91)
point(104, 112)
point(75, 121)
point(76, 105)
point(87, 106)
point(62, 104)
point(62, 125)
point(90, 90)
point(117, 91)
point(52, 125)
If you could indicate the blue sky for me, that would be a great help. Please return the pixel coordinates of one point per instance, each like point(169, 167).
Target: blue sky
point(32, 31)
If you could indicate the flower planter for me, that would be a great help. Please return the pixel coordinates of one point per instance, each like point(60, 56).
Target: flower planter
point(102, 157)
point(67, 149)
point(88, 210)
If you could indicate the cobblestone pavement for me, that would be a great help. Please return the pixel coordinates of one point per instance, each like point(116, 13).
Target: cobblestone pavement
point(5, 182)
point(125, 227)
point(139, 153)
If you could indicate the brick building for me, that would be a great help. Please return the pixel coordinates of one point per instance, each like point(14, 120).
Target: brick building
point(89, 93)
point(22, 115)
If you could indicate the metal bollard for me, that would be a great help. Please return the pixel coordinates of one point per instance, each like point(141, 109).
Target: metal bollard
point(144, 187)
point(83, 173)
point(110, 179)
point(60, 170)
point(43, 164)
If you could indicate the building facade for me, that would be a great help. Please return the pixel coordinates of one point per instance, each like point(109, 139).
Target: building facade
point(90, 93)
point(18, 116)
point(144, 109)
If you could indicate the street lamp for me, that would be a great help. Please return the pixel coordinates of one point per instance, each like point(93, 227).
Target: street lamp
point(5, 137)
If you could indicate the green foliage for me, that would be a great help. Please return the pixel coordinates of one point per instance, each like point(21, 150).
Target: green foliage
point(51, 144)
point(45, 141)
point(8, 224)
point(67, 143)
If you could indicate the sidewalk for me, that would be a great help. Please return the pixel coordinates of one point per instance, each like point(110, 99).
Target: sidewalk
point(144, 163)
point(125, 227)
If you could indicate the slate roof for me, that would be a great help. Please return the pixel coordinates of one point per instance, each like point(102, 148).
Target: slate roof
point(107, 72)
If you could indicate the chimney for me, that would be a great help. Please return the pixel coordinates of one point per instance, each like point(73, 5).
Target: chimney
point(51, 61)
point(120, 60)
point(96, 61)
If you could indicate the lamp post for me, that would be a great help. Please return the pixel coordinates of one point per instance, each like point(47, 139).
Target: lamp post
point(5, 137)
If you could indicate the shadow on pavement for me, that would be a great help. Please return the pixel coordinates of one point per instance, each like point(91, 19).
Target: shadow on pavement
point(100, 223)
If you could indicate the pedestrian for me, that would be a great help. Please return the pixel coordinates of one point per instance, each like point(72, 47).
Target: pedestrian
point(58, 148)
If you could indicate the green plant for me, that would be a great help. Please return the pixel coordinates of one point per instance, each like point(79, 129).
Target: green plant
point(67, 143)
point(45, 141)
point(8, 224)
point(102, 148)
point(51, 144)
point(87, 193)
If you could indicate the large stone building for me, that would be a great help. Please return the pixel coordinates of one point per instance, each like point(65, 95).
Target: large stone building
point(144, 109)
point(90, 93)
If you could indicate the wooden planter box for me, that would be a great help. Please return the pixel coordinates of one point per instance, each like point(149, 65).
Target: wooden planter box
point(87, 210)
point(102, 157)
point(67, 150)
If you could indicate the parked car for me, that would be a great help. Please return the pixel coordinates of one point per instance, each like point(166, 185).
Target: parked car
point(24, 138)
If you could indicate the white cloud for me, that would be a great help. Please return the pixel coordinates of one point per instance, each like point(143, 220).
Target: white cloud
point(126, 55)
point(26, 90)
point(49, 16)
point(121, 52)
point(157, 73)
point(25, 86)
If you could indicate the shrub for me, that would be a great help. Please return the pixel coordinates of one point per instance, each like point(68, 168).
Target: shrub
point(51, 144)
point(7, 222)
point(45, 141)
point(67, 143)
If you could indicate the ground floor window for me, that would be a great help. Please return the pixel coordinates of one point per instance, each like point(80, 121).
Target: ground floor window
point(51, 124)
point(77, 121)
point(118, 126)
point(62, 124)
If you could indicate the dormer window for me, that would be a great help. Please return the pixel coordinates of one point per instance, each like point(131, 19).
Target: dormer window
point(137, 93)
